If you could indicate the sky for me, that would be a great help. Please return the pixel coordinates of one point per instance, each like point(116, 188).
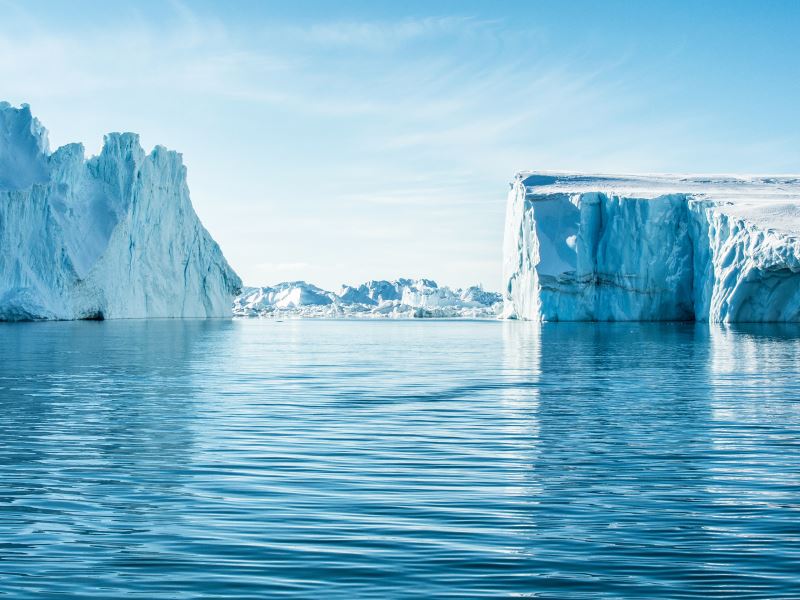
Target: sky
point(338, 142)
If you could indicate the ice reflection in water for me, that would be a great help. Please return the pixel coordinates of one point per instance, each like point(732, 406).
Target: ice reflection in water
point(381, 459)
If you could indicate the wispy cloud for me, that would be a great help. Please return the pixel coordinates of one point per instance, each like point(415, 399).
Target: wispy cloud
point(386, 34)
point(321, 137)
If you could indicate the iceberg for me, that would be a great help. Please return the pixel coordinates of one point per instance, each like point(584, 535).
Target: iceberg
point(398, 299)
point(286, 295)
point(114, 236)
point(652, 248)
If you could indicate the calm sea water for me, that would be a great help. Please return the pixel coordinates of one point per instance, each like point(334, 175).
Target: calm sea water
point(330, 459)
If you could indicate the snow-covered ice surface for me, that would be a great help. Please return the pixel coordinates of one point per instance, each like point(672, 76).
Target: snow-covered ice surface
point(399, 299)
point(114, 236)
point(627, 248)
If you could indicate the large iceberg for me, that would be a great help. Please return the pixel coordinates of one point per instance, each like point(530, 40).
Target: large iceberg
point(652, 248)
point(114, 236)
point(398, 299)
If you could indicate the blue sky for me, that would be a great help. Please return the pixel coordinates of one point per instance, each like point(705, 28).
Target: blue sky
point(343, 141)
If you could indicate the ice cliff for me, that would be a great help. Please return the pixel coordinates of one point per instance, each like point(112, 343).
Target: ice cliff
point(645, 248)
point(114, 236)
point(401, 298)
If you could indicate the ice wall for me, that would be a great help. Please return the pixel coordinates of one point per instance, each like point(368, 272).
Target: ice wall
point(114, 236)
point(622, 248)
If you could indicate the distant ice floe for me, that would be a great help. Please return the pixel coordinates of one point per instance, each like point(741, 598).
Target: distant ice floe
point(399, 299)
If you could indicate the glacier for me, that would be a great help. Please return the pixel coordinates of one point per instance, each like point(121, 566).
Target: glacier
point(583, 247)
point(112, 236)
point(398, 299)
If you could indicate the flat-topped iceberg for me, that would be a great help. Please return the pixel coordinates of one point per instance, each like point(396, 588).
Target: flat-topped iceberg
point(114, 236)
point(398, 299)
point(652, 248)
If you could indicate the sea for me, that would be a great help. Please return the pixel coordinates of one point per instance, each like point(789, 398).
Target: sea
point(383, 459)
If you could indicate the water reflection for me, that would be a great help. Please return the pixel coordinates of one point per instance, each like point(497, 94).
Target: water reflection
point(755, 429)
point(663, 442)
point(96, 433)
point(347, 459)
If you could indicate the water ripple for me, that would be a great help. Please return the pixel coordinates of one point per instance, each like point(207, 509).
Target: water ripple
point(255, 459)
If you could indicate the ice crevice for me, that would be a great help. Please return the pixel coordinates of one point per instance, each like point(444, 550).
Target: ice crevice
point(652, 248)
